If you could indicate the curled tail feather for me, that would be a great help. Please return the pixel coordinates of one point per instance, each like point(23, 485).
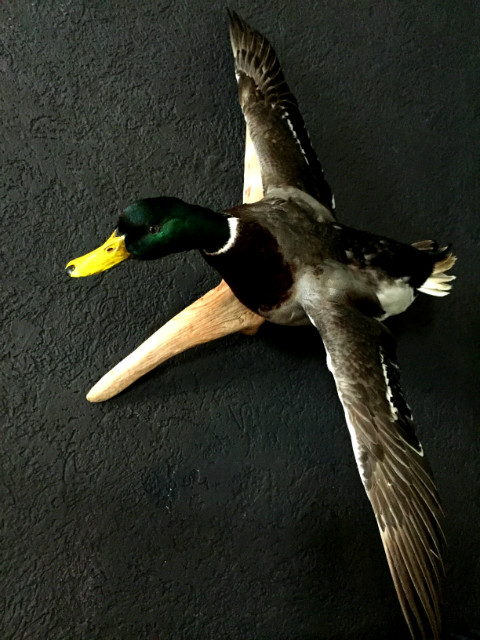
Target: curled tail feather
point(438, 283)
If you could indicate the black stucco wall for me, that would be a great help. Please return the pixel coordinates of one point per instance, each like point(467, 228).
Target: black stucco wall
point(218, 498)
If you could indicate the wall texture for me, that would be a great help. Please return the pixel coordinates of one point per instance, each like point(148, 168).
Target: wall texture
point(218, 498)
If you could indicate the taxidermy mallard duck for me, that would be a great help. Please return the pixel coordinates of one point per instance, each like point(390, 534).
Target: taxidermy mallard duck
point(289, 260)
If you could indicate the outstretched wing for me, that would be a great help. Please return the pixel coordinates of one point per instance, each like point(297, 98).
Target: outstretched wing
point(273, 119)
point(391, 461)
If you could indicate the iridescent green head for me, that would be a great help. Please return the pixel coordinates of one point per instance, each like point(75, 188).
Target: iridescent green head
point(156, 227)
point(152, 228)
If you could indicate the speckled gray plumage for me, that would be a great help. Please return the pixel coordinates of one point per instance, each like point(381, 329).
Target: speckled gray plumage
point(202, 503)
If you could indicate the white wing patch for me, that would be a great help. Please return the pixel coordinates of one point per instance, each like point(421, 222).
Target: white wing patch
point(294, 133)
point(390, 399)
point(393, 408)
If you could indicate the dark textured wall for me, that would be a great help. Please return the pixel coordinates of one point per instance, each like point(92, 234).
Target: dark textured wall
point(218, 498)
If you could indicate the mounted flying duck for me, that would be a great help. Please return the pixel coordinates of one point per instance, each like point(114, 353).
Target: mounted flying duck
point(287, 260)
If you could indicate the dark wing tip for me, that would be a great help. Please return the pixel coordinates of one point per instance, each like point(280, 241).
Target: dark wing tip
point(233, 16)
point(247, 41)
point(236, 22)
point(238, 28)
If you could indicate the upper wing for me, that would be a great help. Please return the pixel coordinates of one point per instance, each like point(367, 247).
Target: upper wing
point(391, 461)
point(273, 119)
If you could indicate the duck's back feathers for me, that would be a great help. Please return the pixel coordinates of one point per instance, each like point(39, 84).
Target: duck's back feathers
point(273, 119)
point(391, 461)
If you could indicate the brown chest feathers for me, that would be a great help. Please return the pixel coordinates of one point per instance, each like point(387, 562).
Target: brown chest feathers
point(255, 269)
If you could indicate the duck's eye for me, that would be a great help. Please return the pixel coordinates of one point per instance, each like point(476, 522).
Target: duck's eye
point(153, 229)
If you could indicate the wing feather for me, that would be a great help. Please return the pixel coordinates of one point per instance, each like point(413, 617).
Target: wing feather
point(277, 129)
point(391, 461)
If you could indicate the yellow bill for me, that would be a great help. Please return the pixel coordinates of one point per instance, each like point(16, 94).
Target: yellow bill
point(109, 254)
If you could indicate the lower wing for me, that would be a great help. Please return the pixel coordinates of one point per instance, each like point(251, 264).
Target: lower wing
point(390, 459)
